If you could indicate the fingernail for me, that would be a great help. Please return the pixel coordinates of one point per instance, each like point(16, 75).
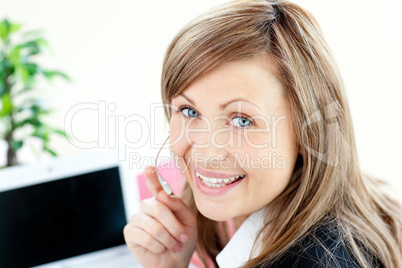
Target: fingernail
point(183, 237)
point(150, 167)
point(177, 248)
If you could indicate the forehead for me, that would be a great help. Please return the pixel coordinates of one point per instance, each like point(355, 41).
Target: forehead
point(252, 78)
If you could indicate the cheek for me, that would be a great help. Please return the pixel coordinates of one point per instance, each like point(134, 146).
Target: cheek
point(267, 155)
point(178, 144)
point(251, 150)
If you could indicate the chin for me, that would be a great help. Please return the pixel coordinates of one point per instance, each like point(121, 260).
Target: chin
point(212, 212)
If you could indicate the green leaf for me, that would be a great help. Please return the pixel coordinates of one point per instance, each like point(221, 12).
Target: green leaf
point(16, 145)
point(40, 42)
point(47, 149)
point(51, 74)
point(7, 105)
point(33, 121)
point(15, 27)
point(15, 56)
point(23, 73)
point(35, 110)
point(31, 47)
point(32, 68)
point(32, 33)
point(24, 89)
point(2, 88)
point(42, 132)
point(2, 78)
point(4, 30)
point(60, 132)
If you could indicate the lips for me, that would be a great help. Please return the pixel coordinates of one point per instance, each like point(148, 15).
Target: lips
point(216, 180)
point(214, 174)
point(216, 189)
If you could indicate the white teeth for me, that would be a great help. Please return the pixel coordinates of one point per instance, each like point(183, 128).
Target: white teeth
point(213, 185)
point(214, 182)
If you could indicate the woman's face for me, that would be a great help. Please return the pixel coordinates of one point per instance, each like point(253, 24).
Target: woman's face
point(234, 121)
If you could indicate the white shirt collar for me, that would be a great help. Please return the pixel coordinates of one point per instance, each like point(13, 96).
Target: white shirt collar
point(237, 251)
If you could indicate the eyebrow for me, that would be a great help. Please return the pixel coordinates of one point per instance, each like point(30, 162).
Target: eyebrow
point(187, 98)
point(222, 106)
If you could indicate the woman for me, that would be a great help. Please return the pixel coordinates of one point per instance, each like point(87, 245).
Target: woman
point(261, 129)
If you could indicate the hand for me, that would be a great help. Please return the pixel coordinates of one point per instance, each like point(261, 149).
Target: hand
point(163, 233)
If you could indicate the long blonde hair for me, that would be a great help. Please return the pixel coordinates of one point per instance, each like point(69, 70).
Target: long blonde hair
point(331, 187)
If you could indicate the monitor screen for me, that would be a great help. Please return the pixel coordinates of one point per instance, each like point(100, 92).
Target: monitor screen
point(59, 219)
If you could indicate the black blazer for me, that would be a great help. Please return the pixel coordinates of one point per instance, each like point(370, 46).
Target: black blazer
point(311, 252)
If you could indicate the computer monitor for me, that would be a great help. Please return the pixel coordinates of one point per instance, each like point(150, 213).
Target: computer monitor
point(64, 208)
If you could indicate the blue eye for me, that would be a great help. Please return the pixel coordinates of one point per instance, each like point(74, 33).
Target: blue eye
point(242, 121)
point(187, 111)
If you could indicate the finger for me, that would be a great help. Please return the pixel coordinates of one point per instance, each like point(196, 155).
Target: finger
point(136, 237)
point(180, 210)
point(152, 181)
point(161, 212)
point(158, 231)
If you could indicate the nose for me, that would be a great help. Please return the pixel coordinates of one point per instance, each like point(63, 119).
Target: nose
point(209, 145)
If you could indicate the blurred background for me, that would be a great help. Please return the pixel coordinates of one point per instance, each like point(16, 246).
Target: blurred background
point(113, 53)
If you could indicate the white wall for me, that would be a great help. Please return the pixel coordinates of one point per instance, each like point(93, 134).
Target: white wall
point(113, 50)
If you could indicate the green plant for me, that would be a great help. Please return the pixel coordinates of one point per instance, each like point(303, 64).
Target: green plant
point(21, 109)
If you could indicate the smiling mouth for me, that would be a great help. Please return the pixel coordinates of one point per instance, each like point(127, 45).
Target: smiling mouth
point(219, 182)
